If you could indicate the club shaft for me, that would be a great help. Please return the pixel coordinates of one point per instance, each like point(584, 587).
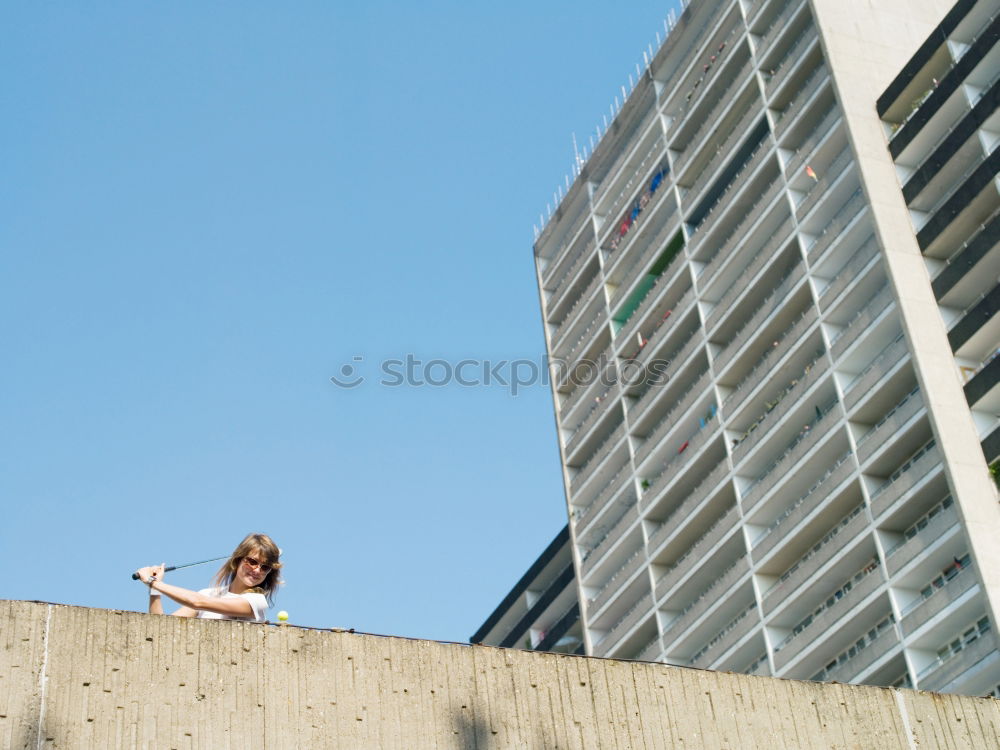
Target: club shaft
point(135, 576)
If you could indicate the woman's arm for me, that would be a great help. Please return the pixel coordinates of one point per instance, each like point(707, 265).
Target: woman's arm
point(192, 601)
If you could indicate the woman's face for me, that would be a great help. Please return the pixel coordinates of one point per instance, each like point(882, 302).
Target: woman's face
point(252, 570)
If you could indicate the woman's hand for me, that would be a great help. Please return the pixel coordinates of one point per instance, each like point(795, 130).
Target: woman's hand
point(150, 573)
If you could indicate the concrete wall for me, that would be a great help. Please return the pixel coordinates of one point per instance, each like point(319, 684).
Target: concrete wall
point(72, 677)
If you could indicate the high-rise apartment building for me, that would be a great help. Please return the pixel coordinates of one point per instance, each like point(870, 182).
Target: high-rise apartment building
point(774, 286)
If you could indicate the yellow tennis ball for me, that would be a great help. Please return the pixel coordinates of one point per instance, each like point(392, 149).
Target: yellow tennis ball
point(282, 616)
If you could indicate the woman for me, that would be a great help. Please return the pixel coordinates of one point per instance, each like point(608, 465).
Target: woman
point(244, 585)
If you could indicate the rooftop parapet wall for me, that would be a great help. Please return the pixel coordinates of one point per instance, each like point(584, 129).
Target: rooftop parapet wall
point(72, 677)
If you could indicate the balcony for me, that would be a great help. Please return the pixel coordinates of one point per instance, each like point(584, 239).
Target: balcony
point(651, 652)
point(786, 341)
point(860, 323)
point(671, 468)
point(644, 260)
point(820, 188)
point(609, 490)
point(677, 520)
point(642, 608)
point(889, 426)
point(731, 634)
point(723, 153)
point(814, 498)
point(767, 254)
point(825, 621)
point(618, 169)
point(788, 63)
point(572, 350)
point(654, 295)
point(724, 100)
point(713, 595)
point(923, 610)
point(676, 361)
point(588, 298)
point(865, 382)
point(562, 286)
point(884, 642)
point(636, 214)
point(616, 584)
point(819, 555)
point(838, 225)
point(851, 272)
point(942, 672)
point(778, 24)
point(905, 478)
point(664, 325)
point(793, 453)
point(582, 389)
point(815, 81)
point(697, 552)
point(797, 163)
point(595, 460)
point(615, 533)
point(672, 419)
point(776, 299)
point(937, 528)
point(599, 409)
point(739, 234)
point(758, 431)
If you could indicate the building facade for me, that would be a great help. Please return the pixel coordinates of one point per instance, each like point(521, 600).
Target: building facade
point(769, 299)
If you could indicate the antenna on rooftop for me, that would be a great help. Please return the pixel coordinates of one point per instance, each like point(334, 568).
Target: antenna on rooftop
point(576, 152)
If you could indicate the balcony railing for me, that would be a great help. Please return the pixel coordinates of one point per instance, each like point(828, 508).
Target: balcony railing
point(584, 338)
point(608, 183)
point(671, 467)
point(597, 457)
point(627, 238)
point(788, 62)
point(755, 436)
point(734, 630)
point(805, 505)
point(865, 380)
point(613, 486)
point(750, 329)
point(889, 425)
point(785, 341)
point(818, 555)
point(905, 477)
point(643, 607)
point(563, 285)
point(669, 422)
point(724, 100)
point(862, 320)
point(819, 77)
point(936, 529)
point(598, 408)
point(840, 221)
point(645, 259)
point(614, 533)
point(715, 533)
point(635, 561)
point(739, 234)
point(777, 25)
point(762, 258)
point(861, 655)
point(675, 360)
point(723, 152)
point(679, 517)
point(945, 669)
point(762, 153)
point(656, 329)
point(652, 652)
point(587, 297)
point(692, 53)
point(820, 188)
point(803, 152)
point(712, 595)
point(922, 610)
point(824, 618)
point(567, 407)
point(850, 272)
point(782, 465)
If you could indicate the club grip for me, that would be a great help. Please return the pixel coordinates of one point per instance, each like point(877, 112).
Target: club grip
point(135, 576)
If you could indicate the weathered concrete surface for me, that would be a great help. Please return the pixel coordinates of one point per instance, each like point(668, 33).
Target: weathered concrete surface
point(72, 677)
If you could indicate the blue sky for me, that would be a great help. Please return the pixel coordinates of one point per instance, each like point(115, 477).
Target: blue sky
point(206, 211)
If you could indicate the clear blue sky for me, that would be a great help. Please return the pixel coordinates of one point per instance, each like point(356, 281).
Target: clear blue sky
point(206, 210)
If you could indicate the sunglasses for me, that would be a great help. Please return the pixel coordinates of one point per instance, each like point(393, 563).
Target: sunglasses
point(263, 567)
